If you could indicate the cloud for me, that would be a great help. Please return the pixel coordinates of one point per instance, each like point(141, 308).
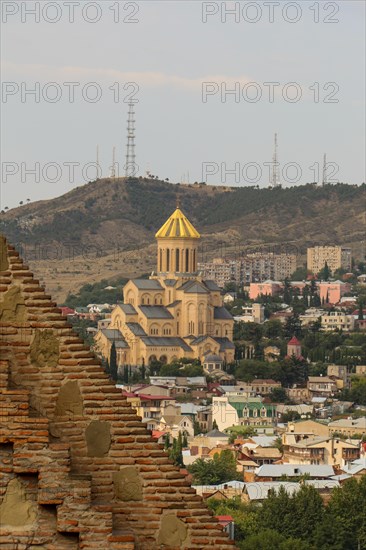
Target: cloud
point(47, 73)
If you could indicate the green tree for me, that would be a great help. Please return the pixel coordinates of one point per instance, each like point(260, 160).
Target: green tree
point(113, 362)
point(196, 427)
point(287, 292)
point(308, 511)
point(347, 512)
point(269, 539)
point(300, 274)
point(360, 309)
point(125, 374)
point(273, 329)
point(358, 391)
point(176, 451)
point(220, 469)
point(107, 369)
point(278, 395)
point(324, 273)
point(143, 371)
point(292, 326)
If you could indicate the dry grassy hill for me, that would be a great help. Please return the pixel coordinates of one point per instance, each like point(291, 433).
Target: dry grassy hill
point(106, 228)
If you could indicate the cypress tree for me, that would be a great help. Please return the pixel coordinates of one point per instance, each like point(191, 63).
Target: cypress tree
point(113, 363)
point(125, 374)
point(360, 310)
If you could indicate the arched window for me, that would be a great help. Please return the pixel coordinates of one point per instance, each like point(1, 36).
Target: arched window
point(177, 259)
point(187, 260)
point(161, 260)
point(168, 260)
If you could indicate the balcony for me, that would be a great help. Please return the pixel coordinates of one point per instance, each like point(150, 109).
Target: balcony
point(305, 454)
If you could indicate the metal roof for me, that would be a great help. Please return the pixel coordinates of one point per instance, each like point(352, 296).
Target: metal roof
point(259, 490)
point(136, 329)
point(216, 433)
point(159, 341)
point(232, 484)
point(147, 284)
point(225, 343)
point(193, 287)
point(177, 226)
point(211, 285)
point(112, 333)
point(212, 358)
point(175, 303)
point(294, 470)
point(222, 313)
point(155, 312)
point(128, 309)
point(170, 282)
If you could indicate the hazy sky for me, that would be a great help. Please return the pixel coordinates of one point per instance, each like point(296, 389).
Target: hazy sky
point(167, 50)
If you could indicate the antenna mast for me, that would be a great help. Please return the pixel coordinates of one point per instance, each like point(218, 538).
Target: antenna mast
point(97, 164)
point(275, 179)
point(113, 167)
point(130, 168)
point(324, 180)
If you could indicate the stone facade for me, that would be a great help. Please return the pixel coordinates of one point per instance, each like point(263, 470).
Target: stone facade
point(175, 313)
point(78, 468)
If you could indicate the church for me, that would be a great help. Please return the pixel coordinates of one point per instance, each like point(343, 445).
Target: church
point(175, 313)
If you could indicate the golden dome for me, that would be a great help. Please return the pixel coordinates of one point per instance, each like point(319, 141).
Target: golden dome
point(177, 227)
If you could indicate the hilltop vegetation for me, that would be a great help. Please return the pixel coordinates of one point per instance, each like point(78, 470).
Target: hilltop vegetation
point(84, 214)
point(105, 229)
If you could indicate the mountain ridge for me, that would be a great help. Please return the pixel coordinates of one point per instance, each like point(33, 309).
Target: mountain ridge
point(115, 220)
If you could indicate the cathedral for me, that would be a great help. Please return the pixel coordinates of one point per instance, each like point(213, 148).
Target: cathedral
point(175, 313)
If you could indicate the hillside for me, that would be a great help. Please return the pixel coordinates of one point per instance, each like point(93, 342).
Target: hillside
point(106, 228)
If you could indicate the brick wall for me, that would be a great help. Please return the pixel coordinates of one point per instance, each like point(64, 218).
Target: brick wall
point(78, 468)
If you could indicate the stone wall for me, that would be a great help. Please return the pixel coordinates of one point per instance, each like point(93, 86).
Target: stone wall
point(78, 468)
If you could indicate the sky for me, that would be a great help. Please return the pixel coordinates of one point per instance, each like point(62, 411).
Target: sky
point(211, 82)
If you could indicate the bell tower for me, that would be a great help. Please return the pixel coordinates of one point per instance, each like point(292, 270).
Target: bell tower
point(177, 246)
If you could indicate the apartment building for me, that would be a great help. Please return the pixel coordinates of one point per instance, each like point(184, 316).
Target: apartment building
point(249, 268)
point(321, 386)
point(336, 257)
point(321, 450)
point(337, 320)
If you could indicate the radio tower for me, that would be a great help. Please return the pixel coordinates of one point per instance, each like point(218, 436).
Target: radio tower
point(113, 167)
point(275, 179)
point(130, 168)
point(97, 164)
point(324, 180)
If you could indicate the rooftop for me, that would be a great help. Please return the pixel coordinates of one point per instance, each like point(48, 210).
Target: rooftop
point(155, 312)
point(222, 313)
point(177, 226)
point(157, 341)
point(128, 309)
point(147, 284)
point(294, 470)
